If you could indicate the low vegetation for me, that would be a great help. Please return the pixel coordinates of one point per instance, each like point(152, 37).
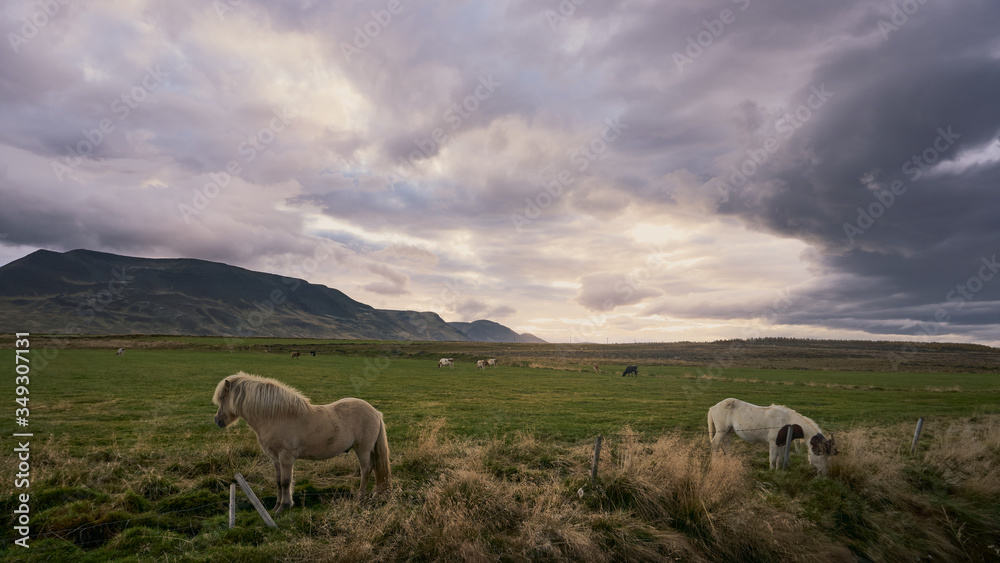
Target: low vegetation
point(127, 466)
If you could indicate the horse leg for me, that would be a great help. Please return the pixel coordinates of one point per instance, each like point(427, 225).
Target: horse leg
point(776, 453)
point(365, 461)
point(285, 500)
point(720, 442)
point(277, 483)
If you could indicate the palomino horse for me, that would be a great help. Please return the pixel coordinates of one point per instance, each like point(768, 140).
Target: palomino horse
point(289, 427)
point(768, 424)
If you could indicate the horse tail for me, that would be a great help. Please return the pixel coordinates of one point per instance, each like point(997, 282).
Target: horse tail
point(711, 426)
point(380, 457)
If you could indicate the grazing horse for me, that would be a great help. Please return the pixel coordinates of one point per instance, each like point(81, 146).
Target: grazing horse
point(597, 368)
point(289, 427)
point(312, 353)
point(481, 364)
point(446, 362)
point(120, 352)
point(634, 370)
point(296, 354)
point(771, 425)
point(492, 362)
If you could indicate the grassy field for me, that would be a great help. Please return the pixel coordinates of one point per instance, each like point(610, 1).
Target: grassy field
point(127, 463)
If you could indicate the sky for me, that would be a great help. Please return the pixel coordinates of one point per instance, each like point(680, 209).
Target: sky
point(584, 171)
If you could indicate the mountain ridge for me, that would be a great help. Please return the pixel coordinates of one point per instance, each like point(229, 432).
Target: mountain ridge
point(92, 292)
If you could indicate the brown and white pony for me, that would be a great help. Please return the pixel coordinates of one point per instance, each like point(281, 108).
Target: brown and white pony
point(289, 427)
point(770, 425)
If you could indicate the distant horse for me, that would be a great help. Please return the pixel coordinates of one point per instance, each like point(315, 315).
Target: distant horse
point(597, 368)
point(312, 353)
point(289, 427)
point(481, 364)
point(120, 352)
point(296, 354)
point(492, 362)
point(446, 362)
point(634, 370)
point(768, 424)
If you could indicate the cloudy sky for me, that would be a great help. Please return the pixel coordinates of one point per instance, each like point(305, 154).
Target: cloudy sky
point(603, 171)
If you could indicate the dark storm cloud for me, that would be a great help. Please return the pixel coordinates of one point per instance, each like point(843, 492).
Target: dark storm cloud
point(426, 142)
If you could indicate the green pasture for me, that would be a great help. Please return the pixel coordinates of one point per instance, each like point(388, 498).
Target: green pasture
point(95, 397)
point(127, 463)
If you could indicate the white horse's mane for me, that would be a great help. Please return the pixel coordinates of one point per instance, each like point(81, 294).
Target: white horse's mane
point(256, 397)
point(802, 419)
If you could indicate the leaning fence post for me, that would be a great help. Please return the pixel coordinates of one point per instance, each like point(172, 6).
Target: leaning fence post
point(788, 446)
point(916, 435)
point(232, 504)
point(253, 500)
point(597, 457)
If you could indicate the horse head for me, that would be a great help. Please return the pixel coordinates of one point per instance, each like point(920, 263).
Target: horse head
point(820, 450)
point(226, 415)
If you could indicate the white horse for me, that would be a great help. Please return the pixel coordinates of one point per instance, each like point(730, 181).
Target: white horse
point(768, 424)
point(120, 352)
point(446, 362)
point(492, 362)
point(481, 364)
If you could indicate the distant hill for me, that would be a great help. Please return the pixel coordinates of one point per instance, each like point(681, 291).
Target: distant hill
point(89, 292)
point(489, 331)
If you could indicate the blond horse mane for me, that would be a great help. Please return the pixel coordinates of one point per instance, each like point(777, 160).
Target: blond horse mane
point(260, 398)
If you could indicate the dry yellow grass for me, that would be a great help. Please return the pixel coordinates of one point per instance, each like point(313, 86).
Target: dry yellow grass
point(516, 497)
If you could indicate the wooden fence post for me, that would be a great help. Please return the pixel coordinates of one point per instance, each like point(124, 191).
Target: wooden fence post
point(253, 500)
point(916, 435)
point(232, 504)
point(597, 458)
point(788, 446)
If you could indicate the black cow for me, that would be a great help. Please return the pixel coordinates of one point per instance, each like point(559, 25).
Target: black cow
point(631, 369)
